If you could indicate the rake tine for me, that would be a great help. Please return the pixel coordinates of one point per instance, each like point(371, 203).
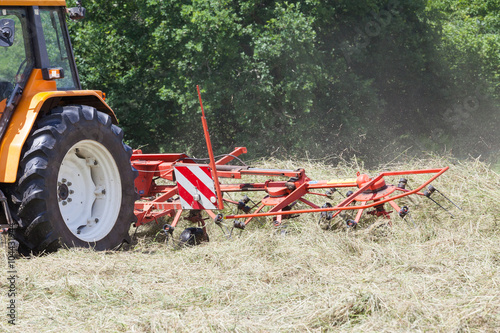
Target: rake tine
point(411, 219)
point(442, 207)
point(333, 190)
point(254, 203)
point(225, 230)
point(222, 226)
point(448, 199)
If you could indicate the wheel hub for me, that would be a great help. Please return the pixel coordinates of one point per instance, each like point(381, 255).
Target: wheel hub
point(63, 192)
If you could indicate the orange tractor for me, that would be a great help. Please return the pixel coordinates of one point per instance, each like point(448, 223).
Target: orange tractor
point(65, 174)
point(67, 178)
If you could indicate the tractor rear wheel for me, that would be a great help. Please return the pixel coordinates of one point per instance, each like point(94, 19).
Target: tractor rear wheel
point(75, 185)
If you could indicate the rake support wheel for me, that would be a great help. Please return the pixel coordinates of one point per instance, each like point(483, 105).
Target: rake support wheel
point(193, 236)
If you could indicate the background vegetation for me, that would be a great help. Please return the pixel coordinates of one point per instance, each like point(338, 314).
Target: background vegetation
point(364, 77)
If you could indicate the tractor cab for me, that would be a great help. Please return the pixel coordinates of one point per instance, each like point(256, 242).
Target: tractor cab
point(34, 37)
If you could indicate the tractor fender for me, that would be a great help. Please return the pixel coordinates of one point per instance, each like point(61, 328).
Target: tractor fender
point(29, 109)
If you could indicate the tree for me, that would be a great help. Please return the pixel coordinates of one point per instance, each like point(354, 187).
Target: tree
point(367, 77)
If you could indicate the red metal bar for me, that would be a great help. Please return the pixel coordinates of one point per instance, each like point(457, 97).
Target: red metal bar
point(271, 172)
point(211, 213)
point(307, 202)
point(176, 218)
point(229, 157)
point(358, 215)
point(160, 157)
point(258, 210)
point(291, 198)
point(220, 203)
point(149, 205)
point(395, 206)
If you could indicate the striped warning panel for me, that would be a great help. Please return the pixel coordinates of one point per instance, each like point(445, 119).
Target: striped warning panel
point(196, 187)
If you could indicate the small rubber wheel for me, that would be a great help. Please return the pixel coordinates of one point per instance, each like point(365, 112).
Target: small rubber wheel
point(192, 236)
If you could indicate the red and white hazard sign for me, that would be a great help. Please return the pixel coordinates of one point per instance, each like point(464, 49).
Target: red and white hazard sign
point(195, 187)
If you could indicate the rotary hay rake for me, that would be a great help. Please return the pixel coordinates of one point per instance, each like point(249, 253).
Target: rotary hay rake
point(187, 185)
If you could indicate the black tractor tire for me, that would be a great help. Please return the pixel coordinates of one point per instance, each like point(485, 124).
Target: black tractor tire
point(75, 185)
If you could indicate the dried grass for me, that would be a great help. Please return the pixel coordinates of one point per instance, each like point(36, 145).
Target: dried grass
point(441, 275)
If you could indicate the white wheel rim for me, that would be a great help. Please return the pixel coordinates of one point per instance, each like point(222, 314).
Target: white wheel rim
point(89, 190)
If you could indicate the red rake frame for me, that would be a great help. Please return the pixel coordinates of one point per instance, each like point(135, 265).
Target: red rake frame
point(279, 196)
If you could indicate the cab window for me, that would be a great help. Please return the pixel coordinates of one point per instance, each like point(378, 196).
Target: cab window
point(16, 58)
point(58, 48)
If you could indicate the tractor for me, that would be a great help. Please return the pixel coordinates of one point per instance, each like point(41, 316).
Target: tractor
point(65, 174)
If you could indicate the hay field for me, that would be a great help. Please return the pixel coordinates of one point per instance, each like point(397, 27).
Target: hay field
point(441, 275)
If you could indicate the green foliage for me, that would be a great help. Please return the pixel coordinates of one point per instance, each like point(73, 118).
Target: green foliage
point(367, 77)
point(470, 50)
